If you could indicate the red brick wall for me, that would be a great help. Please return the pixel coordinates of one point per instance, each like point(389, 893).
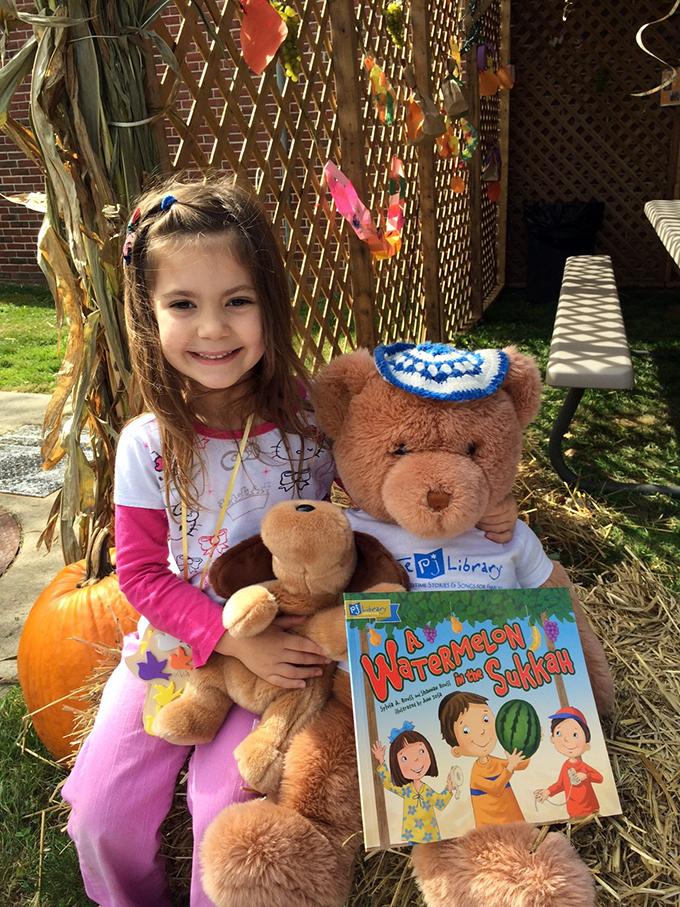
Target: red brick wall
point(18, 226)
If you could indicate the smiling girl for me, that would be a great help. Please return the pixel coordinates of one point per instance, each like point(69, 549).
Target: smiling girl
point(411, 759)
point(227, 432)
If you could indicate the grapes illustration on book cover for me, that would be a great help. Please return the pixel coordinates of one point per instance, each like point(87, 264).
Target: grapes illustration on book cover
point(472, 708)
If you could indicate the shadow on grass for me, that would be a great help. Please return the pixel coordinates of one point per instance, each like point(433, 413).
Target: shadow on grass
point(630, 436)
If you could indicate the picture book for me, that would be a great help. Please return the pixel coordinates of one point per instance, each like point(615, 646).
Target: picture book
point(472, 708)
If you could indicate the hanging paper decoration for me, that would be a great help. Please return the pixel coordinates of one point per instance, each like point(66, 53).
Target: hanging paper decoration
point(468, 144)
point(505, 76)
point(385, 241)
point(455, 59)
point(455, 101)
point(493, 191)
point(457, 183)
point(670, 70)
point(383, 94)
point(433, 121)
point(491, 165)
point(414, 122)
point(449, 143)
point(262, 33)
point(395, 210)
point(292, 61)
point(486, 64)
point(393, 14)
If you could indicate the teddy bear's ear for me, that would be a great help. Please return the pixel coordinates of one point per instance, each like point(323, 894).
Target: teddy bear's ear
point(245, 564)
point(335, 385)
point(523, 383)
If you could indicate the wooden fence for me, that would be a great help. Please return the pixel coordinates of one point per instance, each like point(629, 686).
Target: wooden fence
point(280, 134)
point(578, 132)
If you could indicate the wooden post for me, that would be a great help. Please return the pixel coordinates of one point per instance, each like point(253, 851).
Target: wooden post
point(346, 67)
point(475, 192)
point(504, 146)
point(372, 725)
point(429, 240)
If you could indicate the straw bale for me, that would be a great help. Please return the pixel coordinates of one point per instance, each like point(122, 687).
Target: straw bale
point(634, 857)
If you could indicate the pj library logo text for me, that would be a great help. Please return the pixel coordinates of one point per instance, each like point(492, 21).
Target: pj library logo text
point(435, 564)
point(391, 669)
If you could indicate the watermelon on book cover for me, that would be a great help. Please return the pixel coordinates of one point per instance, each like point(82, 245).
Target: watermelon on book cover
point(472, 708)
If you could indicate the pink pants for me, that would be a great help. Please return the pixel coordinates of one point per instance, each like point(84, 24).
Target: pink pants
point(121, 789)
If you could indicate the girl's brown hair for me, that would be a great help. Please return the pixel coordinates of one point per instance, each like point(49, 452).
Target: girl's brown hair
point(399, 742)
point(218, 207)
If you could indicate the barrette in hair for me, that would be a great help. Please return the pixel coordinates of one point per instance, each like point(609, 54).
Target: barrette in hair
point(165, 204)
point(129, 231)
point(394, 733)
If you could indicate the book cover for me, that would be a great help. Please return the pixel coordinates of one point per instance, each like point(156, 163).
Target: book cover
point(472, 708)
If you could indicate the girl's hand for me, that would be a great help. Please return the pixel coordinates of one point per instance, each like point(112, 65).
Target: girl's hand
point(498, 523)
point(378, 751)
point(276, 656)
point(542, 794)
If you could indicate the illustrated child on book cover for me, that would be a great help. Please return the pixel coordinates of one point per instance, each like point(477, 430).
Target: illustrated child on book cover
point(411, 759)
point(468, 726)
point(570, 735)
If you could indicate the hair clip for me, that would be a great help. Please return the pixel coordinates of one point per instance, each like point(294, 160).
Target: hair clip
point(167, 202)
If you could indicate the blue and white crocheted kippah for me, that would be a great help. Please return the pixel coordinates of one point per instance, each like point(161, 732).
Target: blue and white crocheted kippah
point(442, 372)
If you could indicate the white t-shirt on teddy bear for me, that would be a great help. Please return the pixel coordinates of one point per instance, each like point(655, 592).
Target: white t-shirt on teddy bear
point(468, 561)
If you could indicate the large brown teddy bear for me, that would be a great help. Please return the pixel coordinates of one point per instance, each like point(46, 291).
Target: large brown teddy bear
point(255, 854)
point(426, 440)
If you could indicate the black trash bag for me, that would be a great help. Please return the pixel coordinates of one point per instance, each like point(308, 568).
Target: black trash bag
point(556, 230)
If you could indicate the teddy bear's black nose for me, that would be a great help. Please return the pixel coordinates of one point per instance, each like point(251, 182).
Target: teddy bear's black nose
point(305, 508)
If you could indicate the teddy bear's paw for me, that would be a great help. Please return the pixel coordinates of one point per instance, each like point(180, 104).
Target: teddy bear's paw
point(185, 726)
point(249, 611)
point(258, 853)
point(386, 587)
point(260, 764)
point(497, 866)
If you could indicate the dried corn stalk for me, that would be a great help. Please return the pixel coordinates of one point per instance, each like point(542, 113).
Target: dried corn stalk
point(94, 136)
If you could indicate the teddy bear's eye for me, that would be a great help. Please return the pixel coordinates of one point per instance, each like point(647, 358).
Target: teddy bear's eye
point(400, 451)
point(471, 449)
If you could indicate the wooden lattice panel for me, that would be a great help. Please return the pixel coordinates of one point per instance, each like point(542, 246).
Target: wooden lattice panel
point(279, 134)
point(489, 137)
point(577, 133)
point(453, 208)
point(276, 133)
point(399, 308)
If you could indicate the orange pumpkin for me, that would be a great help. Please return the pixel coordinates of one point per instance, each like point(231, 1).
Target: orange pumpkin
point(83, 604)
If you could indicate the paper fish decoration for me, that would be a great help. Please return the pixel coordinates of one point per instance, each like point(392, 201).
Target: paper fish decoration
point(385, 241)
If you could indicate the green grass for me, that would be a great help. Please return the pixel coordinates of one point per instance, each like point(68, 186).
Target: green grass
point(621, 434)
point(29, 357)
point(624, 435)
point(27, 784)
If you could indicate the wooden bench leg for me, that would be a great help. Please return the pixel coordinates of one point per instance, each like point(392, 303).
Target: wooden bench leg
point(562, 422)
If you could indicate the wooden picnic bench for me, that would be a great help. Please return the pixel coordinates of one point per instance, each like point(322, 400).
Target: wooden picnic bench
point(589, 350)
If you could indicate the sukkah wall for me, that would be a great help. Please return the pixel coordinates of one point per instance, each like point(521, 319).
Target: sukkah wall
point(121, 93)
point(577, 132)
point(280, 133)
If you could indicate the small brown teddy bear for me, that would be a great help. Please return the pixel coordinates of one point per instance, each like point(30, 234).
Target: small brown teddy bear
point(299, 844)
point(312, 551)
point(426, 439)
